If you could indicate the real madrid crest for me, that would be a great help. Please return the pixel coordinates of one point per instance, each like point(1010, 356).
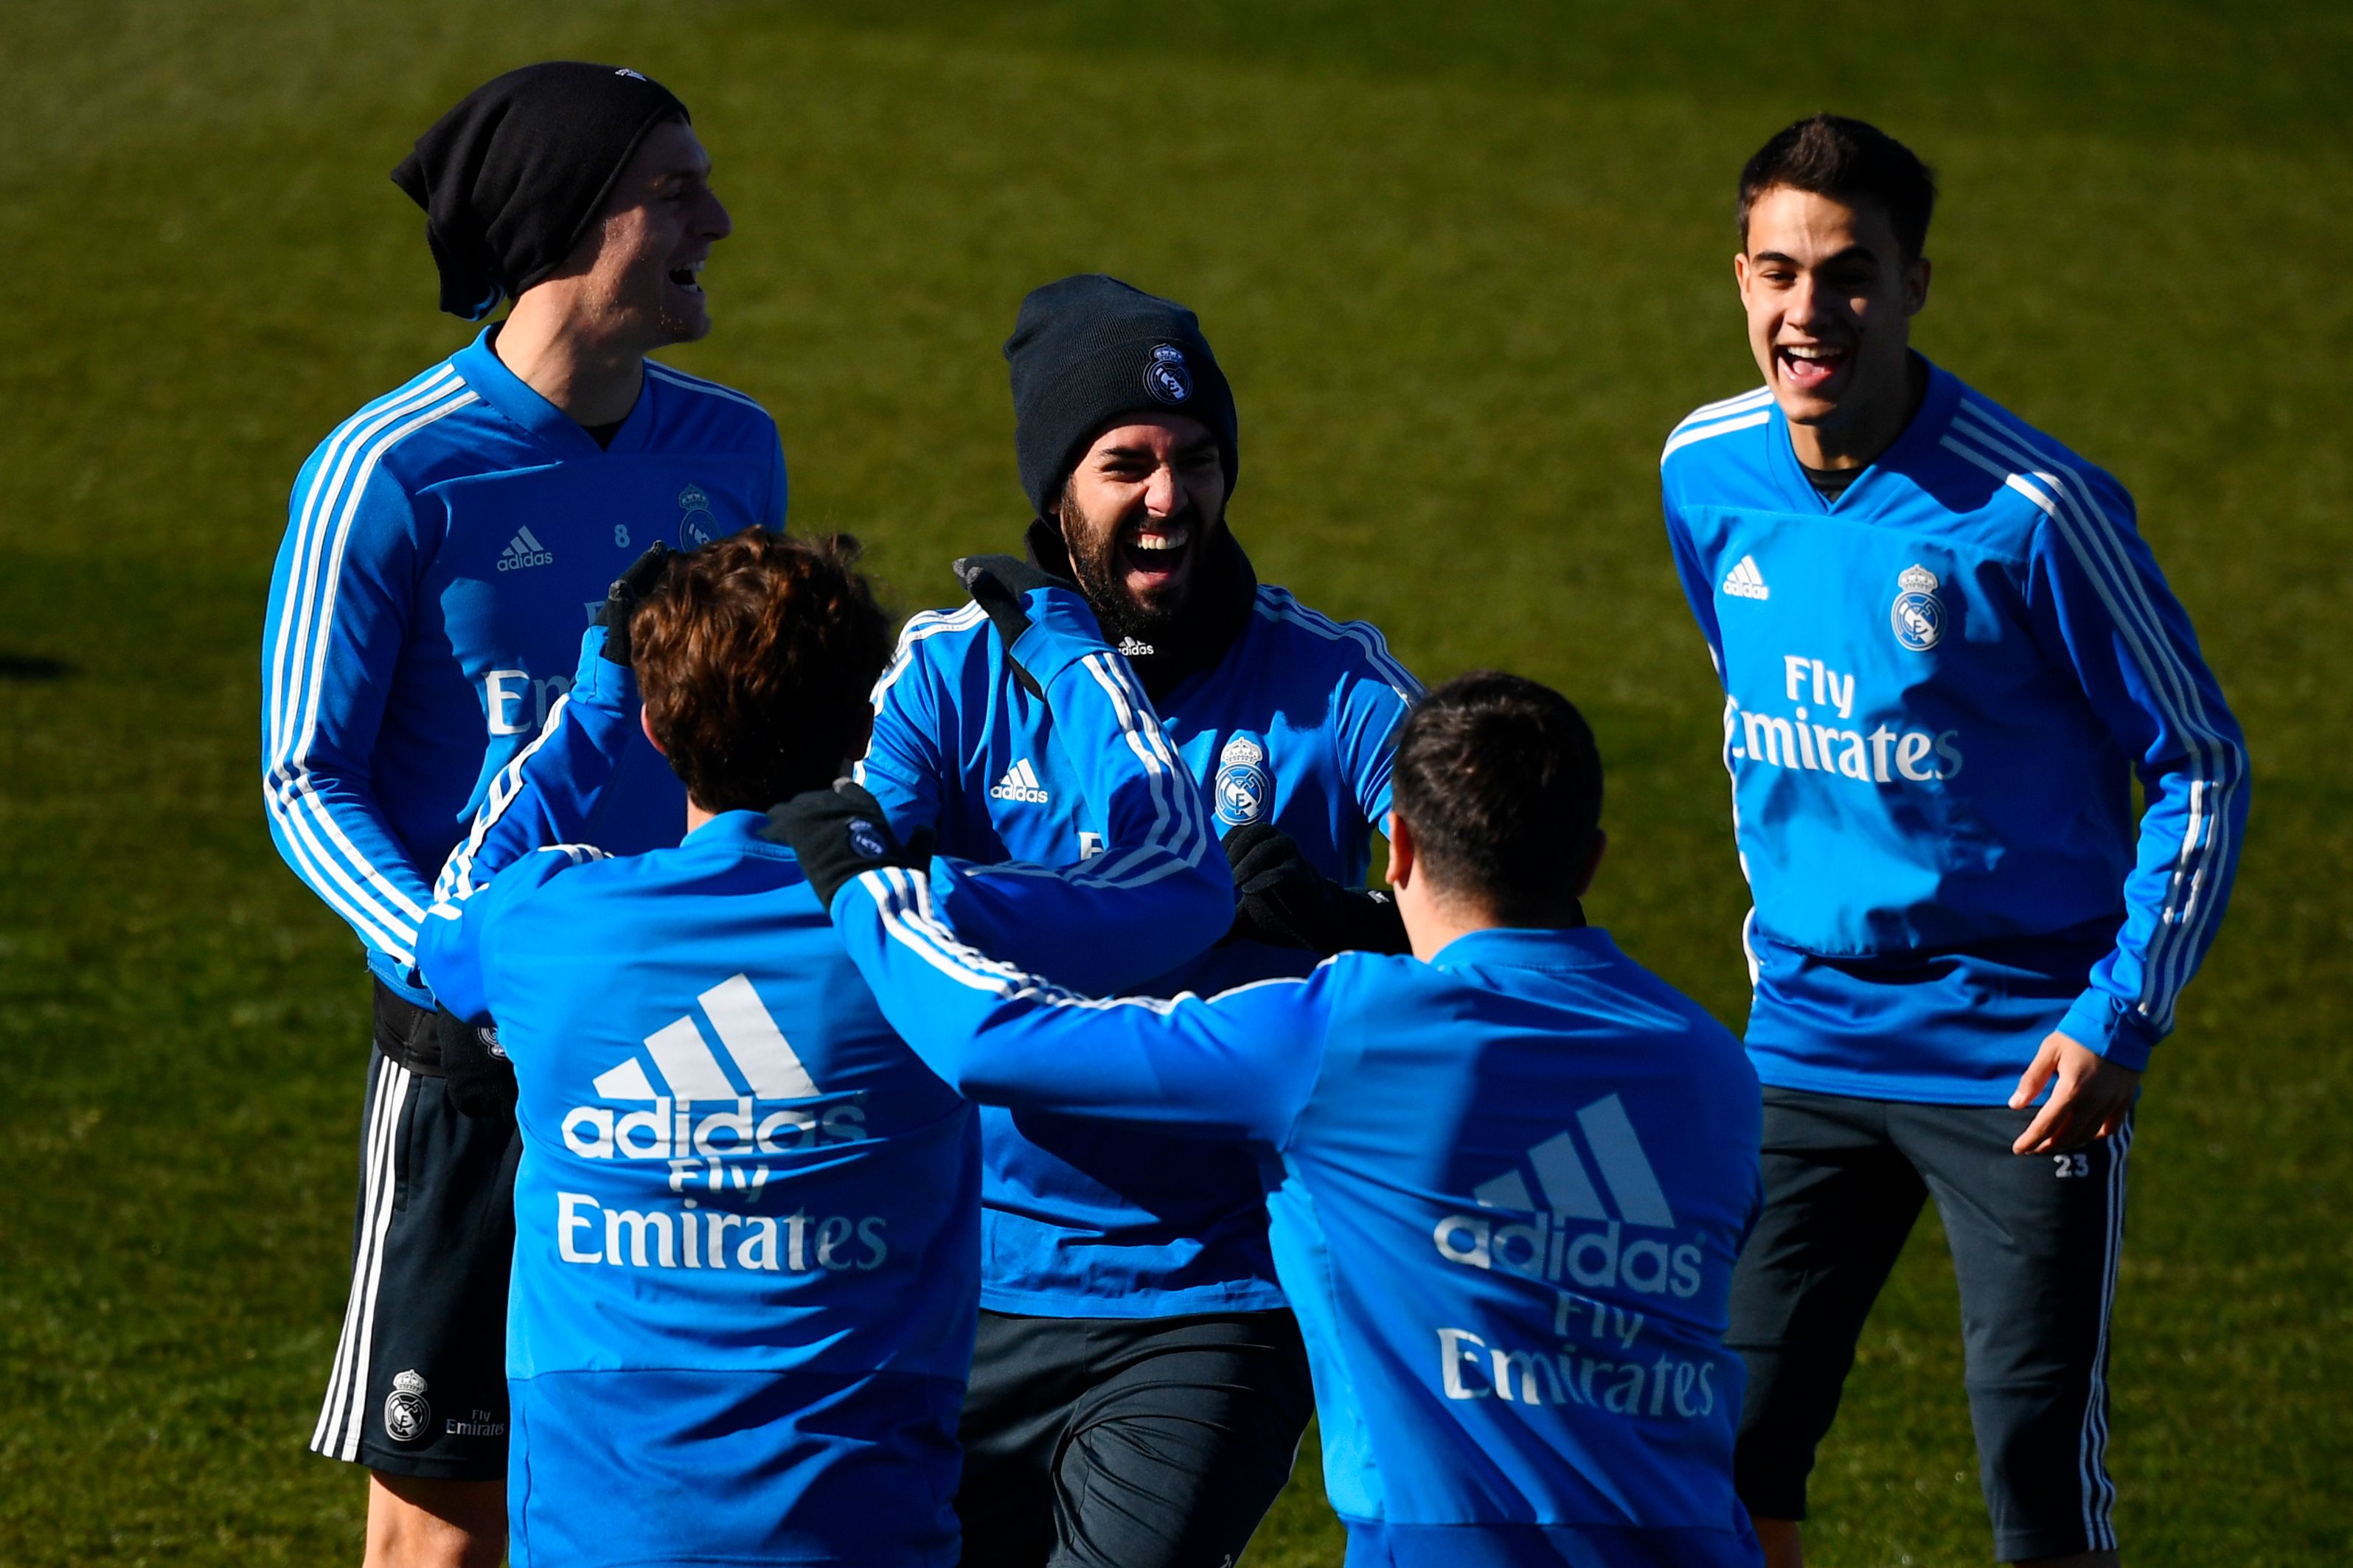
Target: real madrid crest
point(696, 526)
point(1917, 615)
point(1165, 376)
point(1245, 789)
point(407, 1416)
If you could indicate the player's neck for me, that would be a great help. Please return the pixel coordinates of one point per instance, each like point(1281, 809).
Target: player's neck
point(550, 351)
point(695, 816)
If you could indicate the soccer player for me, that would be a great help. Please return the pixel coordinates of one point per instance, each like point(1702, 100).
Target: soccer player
point(444, 549)
point(747, 1253)
point(1139, 1388)
point(1519, 1165)
point(1946, 654)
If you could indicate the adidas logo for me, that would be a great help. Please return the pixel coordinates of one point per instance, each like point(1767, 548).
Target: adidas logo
point(524, 549)
point(1019, 783)
point(691, 1072)
point(1574, 1238)
point(1744, 581)
point(1568, 1192)
point(1133, 647)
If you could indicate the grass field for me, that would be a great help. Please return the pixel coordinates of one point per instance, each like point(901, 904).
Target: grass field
point(1465, 271)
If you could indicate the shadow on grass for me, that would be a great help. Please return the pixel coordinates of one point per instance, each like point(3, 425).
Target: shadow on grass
point(32, 666)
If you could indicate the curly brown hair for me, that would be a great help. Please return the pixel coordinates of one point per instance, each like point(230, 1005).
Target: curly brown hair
point(756, 654)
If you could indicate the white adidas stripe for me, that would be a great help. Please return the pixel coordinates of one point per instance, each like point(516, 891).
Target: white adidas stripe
point(333, 462)
point(1683, 437)
point(2088, 531)
point(345, 1414)
point(376, 909)
point(686, 383)
point(2091, 1446)
point(1280, 605)
point(2168, 962)
point(1755, 397)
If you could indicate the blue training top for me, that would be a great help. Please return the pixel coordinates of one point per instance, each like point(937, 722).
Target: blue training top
point(1294, 725)
point(444, 548)
point(747, 1236)
point(1938, 689)
point(1514, 1182)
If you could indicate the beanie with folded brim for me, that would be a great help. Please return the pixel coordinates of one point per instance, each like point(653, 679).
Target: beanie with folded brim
point(512, 177)
point(1086, 351)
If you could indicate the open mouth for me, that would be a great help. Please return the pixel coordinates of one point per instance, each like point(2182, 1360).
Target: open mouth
point(689, 277)
point(1810, 365)
point(1157, 550)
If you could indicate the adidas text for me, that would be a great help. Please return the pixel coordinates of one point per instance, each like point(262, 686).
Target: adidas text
point(1019, 783)
point(524, 549)
point(1746, 582)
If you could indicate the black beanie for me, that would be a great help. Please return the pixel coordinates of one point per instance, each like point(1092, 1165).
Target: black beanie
point(1089, 349)
point(511, 177)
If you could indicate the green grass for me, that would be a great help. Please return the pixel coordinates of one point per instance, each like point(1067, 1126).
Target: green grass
point(1465, 265)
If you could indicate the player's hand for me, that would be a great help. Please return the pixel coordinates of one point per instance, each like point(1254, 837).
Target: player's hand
point(2094, 1097)
point(620, 604)
point(481, 1080)
point(1282, 901)
point(837, 834)
point(999, 584)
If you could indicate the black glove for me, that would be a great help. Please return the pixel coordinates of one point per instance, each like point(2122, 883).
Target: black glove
point(838, 833)
point(621, 600)
point(996, 584)
point(481, 1080)
point(1281, 900)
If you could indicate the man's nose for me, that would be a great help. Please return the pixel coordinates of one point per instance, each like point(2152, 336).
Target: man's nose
point(1162, 494)
point(715, 221)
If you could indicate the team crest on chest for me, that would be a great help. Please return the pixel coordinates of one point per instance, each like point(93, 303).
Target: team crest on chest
point(1245, 789)
point(1918, 614)
point(696, 525)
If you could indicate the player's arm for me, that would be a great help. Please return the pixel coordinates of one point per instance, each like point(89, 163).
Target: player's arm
point(338, 616)
point(1699, 590)
point(455, 940)
point(1159, 892)
point(1240, 1065)
point(903, 763)
point(2100, 603)
point(550, 791)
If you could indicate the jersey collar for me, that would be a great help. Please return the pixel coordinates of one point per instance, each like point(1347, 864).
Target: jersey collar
point(1529, 947)
point(549, 426)
point(1935, 412)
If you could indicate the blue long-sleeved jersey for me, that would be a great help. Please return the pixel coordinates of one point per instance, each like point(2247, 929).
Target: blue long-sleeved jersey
point(1294, 725)
point(1938, 688)
point(444, 548)
point(747, 1216)
point(1514, 1180)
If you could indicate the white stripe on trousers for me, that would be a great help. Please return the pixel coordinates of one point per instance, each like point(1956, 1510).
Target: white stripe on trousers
point(337, 1435)
point(2092, 1449)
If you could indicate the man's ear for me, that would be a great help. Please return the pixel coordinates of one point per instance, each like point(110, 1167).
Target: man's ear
point(644, 723)
point(1402, 860)
point(1915, 286)
point(1593, 864)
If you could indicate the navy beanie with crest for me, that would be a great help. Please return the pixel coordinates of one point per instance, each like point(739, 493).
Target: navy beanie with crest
point(512, 178)
point(1088, 349)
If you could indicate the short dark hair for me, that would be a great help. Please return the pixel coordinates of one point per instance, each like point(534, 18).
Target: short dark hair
point(756, 654)
point(1501, 781)
point(1850, 162)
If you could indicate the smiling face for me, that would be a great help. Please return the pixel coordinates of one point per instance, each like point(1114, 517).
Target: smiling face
point(640, 263)
point(1831, 297)
point(1136, 515)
